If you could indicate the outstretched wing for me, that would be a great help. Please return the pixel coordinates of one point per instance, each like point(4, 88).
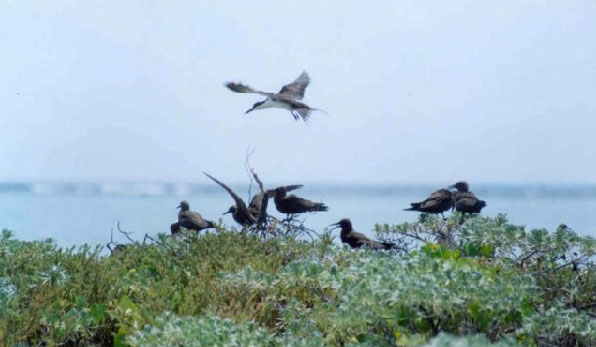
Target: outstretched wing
point(271, 192)
point(243, 88)
point(240, 204)
point(295, 90)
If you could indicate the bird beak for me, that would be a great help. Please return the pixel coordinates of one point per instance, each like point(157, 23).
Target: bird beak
point(451, 186)
point(334, 225)
point(249, 110)
point(226, 213)
point(179, 206)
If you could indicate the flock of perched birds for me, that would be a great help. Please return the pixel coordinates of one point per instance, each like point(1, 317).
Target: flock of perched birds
point(255, 213)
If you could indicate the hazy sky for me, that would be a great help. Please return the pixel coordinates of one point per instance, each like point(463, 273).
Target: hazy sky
point(415, 91)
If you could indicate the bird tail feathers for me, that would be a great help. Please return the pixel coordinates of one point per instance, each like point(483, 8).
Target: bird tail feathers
point(319, 207)
point(415, 206)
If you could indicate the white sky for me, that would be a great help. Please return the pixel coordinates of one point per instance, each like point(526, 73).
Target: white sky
point(415, 91)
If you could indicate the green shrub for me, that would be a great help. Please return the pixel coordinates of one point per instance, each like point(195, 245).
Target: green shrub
point(481, 281)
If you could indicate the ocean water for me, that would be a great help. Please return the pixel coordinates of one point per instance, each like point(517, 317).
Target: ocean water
point(77, 213)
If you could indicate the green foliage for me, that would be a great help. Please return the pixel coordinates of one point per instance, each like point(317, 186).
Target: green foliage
point(480, 281)
point(445, 340)
point(52, 295)
point(379, 293)
point(170, 330)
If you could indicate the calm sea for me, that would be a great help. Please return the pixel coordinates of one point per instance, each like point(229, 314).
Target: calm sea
point(76, 213)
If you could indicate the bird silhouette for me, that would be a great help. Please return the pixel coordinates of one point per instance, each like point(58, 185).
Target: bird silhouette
point(356, 239)
point(438, 202)
point(291, 204)
point(256, 211)
point(464, 200)
point(189, 219)
point(287, 98)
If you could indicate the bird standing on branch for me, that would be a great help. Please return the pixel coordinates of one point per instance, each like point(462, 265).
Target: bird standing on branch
point(465, 201)
point(256, 211)
point(291, 204)
point(438, 202)
point(356, 239)
point(189, 219)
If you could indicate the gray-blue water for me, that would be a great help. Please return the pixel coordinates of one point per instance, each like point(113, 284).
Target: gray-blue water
point(76, 213)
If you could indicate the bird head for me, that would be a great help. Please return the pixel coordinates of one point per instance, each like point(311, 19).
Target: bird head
point(183, 205)
point(281, 191)
point(461, 186)
point(232, 210)
point(564, 227)
point(255, 106)
point(344, 224)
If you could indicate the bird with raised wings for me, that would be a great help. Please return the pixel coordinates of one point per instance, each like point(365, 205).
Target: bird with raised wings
point(287, 98)
point(256, 211)
point(291, 204)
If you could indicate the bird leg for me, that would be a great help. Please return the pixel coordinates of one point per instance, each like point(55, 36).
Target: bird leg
point(462, 218)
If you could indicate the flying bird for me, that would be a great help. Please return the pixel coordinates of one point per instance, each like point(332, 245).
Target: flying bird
point(438, 202)
point(291, 204)
point(287, 98)
point(189, 219)
point(464, 200)
point(356, 239)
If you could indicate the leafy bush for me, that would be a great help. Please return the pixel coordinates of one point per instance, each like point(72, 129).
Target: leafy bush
point(170, 330)
point(481, 280)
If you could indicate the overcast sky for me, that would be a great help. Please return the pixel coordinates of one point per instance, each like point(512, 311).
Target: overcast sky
point(415, 91)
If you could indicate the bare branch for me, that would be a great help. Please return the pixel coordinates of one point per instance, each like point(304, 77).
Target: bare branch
point(148, 237)
point(125, 233)
point(575, 261)
point(254, 174)
point(249, 152)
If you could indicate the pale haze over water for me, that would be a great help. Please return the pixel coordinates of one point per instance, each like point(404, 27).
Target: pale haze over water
point(85, 212)
point(418, 95)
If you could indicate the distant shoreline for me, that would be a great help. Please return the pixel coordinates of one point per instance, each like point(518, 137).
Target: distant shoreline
point(516, 190)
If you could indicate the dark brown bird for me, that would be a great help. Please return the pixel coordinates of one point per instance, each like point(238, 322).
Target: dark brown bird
point(292, 204)
point(287, 98)
point(438, 202)
point(356, 239)
point(465, 201)
point(189, 219)
point(256, 211)
point(242, 214)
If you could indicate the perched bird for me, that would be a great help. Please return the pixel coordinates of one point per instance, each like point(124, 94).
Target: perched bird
point(242, 214)
point(438, 202)
point(189, 219)
point(465, 201)
point(256, 211)
point(291, 204)
point(564, 227)
point(356, 239)
point(287, 98)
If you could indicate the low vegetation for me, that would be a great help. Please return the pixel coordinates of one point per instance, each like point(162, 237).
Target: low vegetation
point(459, 281)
